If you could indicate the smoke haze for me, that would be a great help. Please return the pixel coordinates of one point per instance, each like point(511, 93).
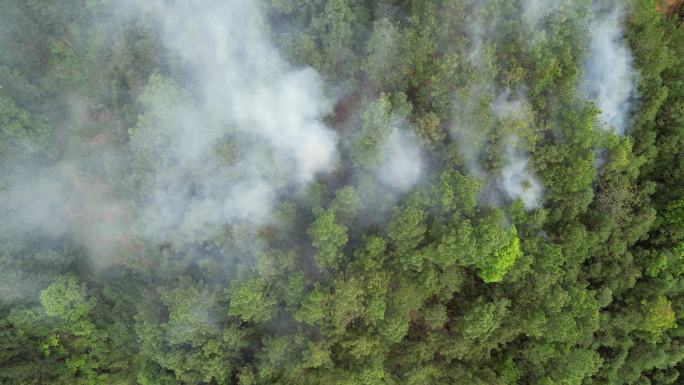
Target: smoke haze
point(247, 94)
point(517, 178)
point(250, 132)
point(609, 79)
point(234, 129)
point(402, 163)
point(534, 11)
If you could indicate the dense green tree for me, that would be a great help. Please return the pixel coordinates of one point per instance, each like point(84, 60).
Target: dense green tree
point(345, 281)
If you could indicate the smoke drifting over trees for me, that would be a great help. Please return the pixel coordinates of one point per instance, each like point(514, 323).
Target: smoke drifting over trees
point(252, 128)
point(608, 75)
point(341, 192)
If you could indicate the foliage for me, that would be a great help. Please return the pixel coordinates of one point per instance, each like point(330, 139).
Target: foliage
point(448, 281)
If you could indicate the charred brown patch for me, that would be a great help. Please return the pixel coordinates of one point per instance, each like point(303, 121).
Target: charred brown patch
point(668, 7)
point(344, 110)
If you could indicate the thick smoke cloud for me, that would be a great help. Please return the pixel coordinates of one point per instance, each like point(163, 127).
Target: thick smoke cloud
point(609, 78)
point(233, 128)
point(385, 150)
point(402, 163)
point(41, 203)
point(517, 179)
point(244, 78)
point(225, 134)
point(61, 201)
point(482, 108)
point(511, 113)
point(246, 95)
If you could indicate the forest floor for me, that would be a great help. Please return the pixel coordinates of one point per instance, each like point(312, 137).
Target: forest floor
point(668, 6)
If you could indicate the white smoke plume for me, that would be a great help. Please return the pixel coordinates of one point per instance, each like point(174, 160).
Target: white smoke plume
point(61, 201)
point(385, 148)
point(231, 129)
point(41, 203)
point(517, 179)
point(252, 129)
point(535, 11)
point(402, 163)
point(609, 78)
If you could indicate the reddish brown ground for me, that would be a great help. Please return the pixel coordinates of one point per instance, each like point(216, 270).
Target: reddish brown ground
point(344, 109)
point(103, 223)
point(668, 6)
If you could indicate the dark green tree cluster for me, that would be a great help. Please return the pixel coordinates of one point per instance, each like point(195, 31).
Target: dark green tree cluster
point(450, 282)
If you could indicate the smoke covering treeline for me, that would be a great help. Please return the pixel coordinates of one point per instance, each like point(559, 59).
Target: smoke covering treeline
point(341, 192)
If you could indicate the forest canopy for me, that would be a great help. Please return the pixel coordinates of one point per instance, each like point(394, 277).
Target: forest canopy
point(342, 192)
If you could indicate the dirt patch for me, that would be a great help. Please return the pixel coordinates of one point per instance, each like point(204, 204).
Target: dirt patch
point(344, 110)
point(668, 7)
